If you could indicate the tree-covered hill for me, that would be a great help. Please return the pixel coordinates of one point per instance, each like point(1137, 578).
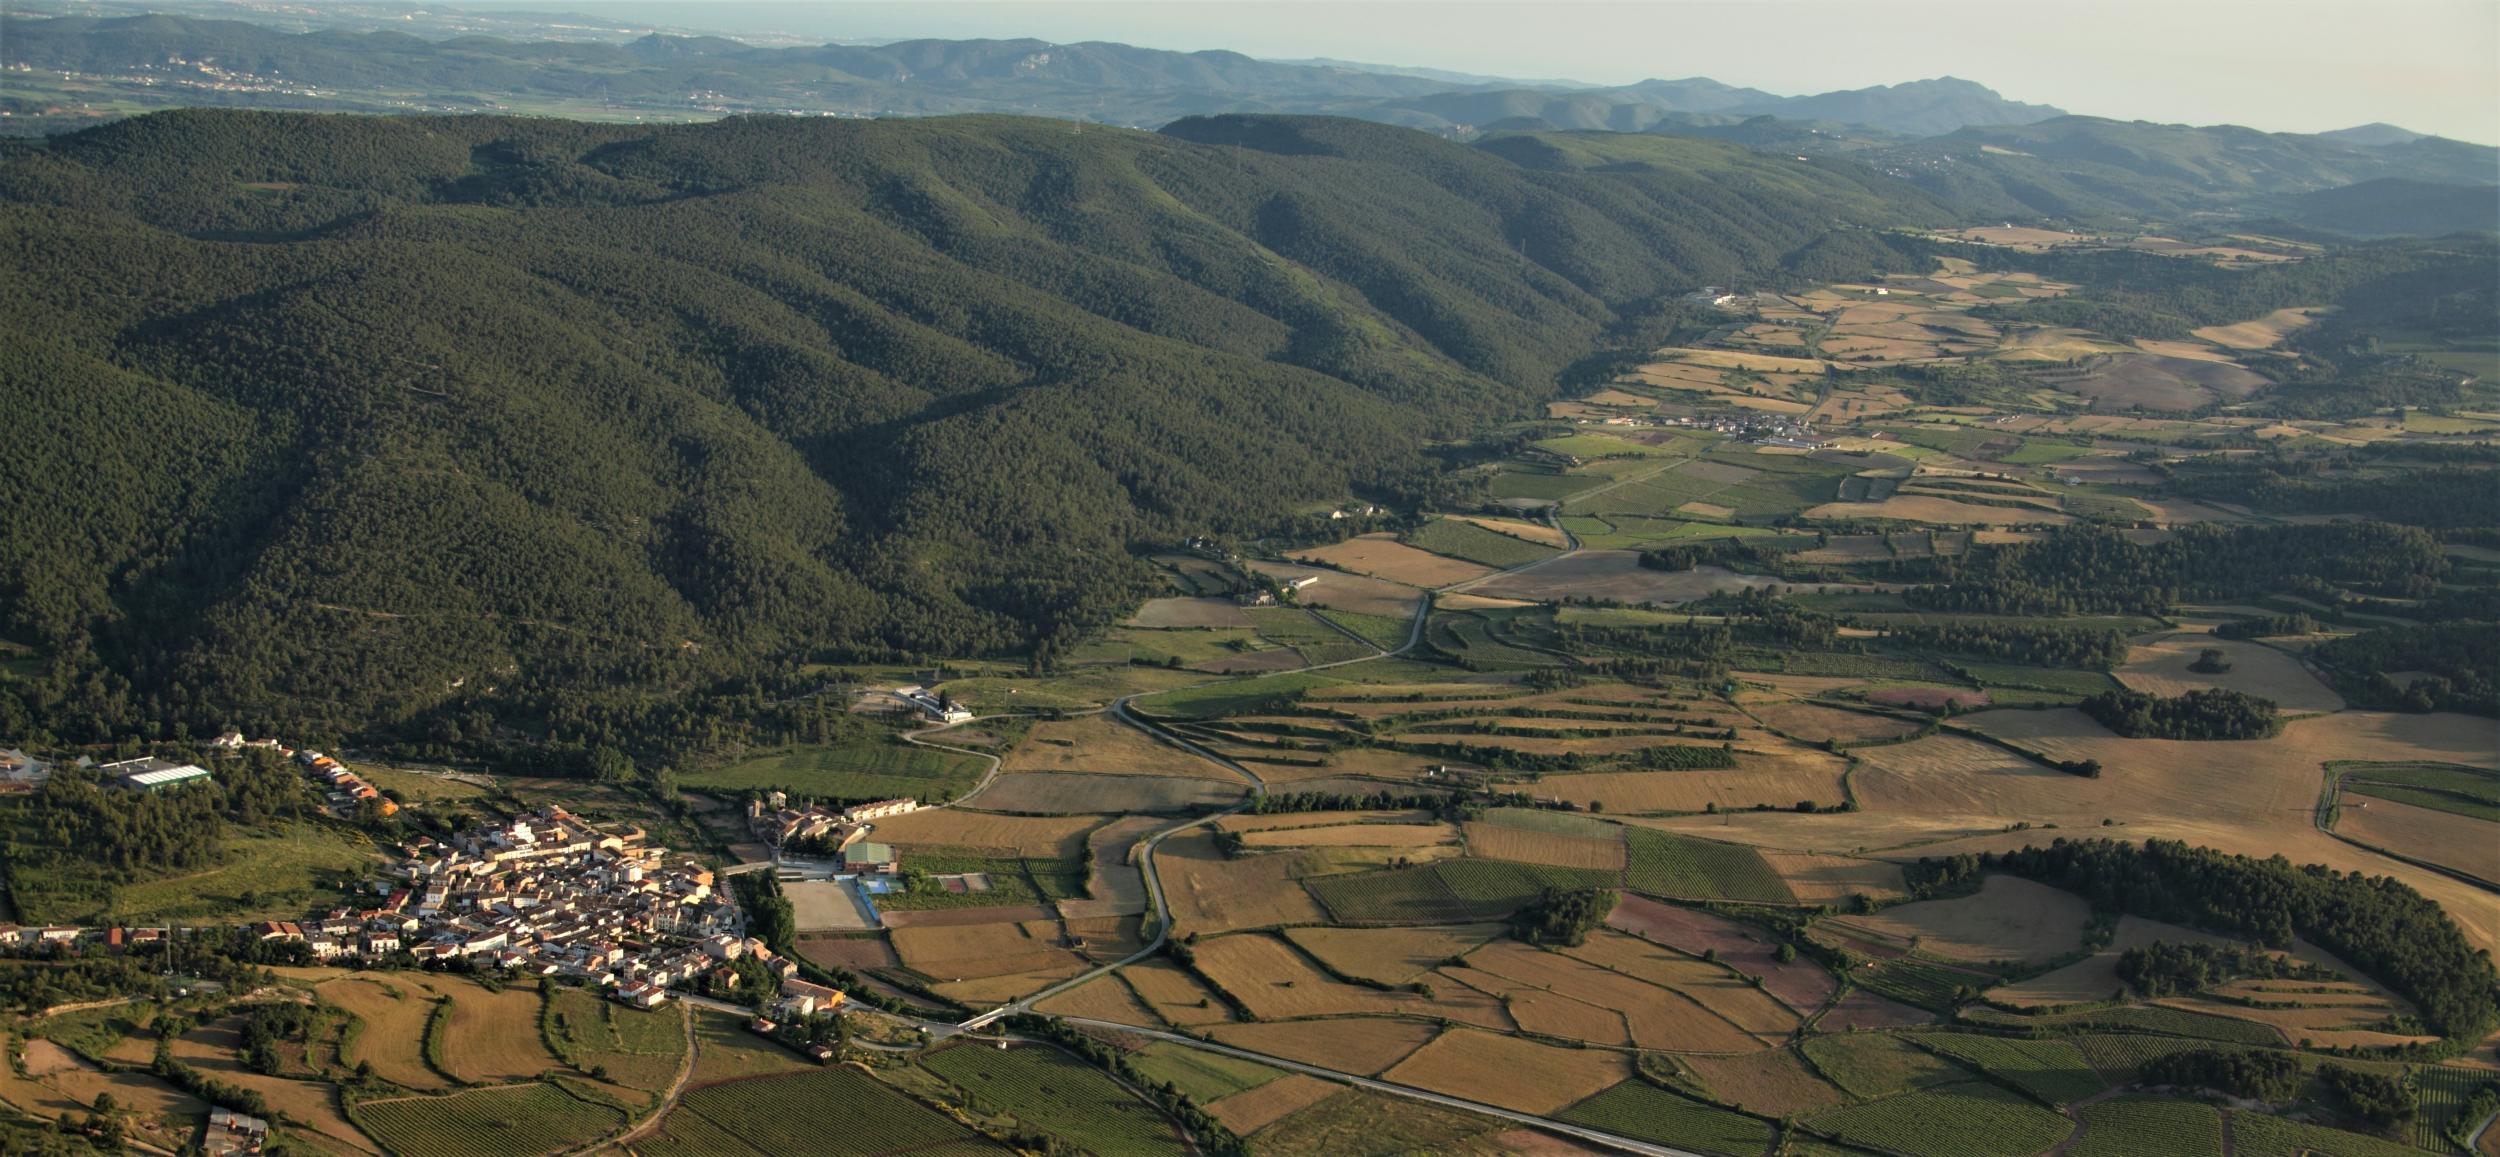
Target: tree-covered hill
point(2088, 168)
point(450, 424)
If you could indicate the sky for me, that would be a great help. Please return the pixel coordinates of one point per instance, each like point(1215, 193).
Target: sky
point(2280, 65)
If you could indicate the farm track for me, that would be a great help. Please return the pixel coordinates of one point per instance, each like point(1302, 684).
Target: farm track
point(1120, 712)
point(668, 1101)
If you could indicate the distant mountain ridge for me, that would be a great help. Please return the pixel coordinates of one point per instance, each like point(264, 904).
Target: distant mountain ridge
point(1095, 80)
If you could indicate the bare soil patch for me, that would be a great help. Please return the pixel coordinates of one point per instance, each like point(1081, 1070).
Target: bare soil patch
point(1383, 556)
point(2010, 919)
point(1190, 612)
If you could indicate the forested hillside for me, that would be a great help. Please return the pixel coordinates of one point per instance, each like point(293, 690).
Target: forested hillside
point(462, 425)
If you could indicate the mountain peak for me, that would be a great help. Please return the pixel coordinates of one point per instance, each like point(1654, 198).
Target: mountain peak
point(2374, 134)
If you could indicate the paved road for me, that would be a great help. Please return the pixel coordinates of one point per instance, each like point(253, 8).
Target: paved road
point(1582, 1132)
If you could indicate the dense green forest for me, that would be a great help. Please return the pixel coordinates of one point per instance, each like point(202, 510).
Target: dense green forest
point(469, 429)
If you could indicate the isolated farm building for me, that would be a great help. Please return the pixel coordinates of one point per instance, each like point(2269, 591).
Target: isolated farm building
point(642, 995)
point(232, 1132)
point(800, 999)
point(20, 770)
point(151, 775)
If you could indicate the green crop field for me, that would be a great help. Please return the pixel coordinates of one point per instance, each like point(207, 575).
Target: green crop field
point(1918, 982)
point(2173, 1021)
point(2449, 787)
point(1047, 1090)
point(640, 1050)
point(1690, 869)
point(532, 1118)
point(1474, 543)
point(273, 874)
point(838, 1111)
point(860, 769)
point(1639, 1109)
point(1971, 1118)
point(1558, 823)
point(1203, 1075)
point(1384, 632)
point(1514, 484)
point(2035, 452)
point(1876, 1064)
point(2132, 1126)
point(2065, 682)
point(2445, 1090)
point(2053, 1070)
point(1450, 892)
point(2260, 1135)
point(2118, 1055)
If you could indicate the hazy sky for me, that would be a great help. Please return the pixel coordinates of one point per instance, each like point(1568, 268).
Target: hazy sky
point(2285, 65)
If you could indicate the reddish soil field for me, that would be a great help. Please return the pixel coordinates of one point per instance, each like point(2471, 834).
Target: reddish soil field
point(1801, 984)
point(1865, 1010)
point(1929, 698)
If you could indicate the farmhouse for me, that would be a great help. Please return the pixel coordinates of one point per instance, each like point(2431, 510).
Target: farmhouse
point(152, 775)
point(232, 1132)
point(19, 770)
point(940, 708)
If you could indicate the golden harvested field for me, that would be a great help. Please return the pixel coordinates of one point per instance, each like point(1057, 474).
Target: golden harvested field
point(215, 1049)
point(1383, 556)
point(2253, 797)
point(1354, 1044)
point(1190, 612)
point(1093, 743)
point(1498, 842)
point(1710, 985)
point(1815, 723)
point(1774, 1084)
point(950, 954)
point(1085, 793)
point(1515, 1074)
point(2095, 977)
point(1731, 359)
point(1658, 1019)
point(1174, 994)
point(73, 1077)
point(1349, 835)
point(1277, 982)
point(1606, 745)
point(2161, 668)
point(492, 1037)
point(1209, 893)
point(1281, 821)
point(1105, 998)
point(393, 1038)
point(1247, 1112)
point(1345, 592)
point(1706, 510)
point(2466, 844)
point(1053, 837)
point(1536, 532)
point(1941, 511)
point(1390, 955)
point(2010, 919)
point(1836, 879)
point(1549, 1013)
point(1779, 780)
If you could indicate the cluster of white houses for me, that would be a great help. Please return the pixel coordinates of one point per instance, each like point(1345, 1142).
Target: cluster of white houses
point(545, 894)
